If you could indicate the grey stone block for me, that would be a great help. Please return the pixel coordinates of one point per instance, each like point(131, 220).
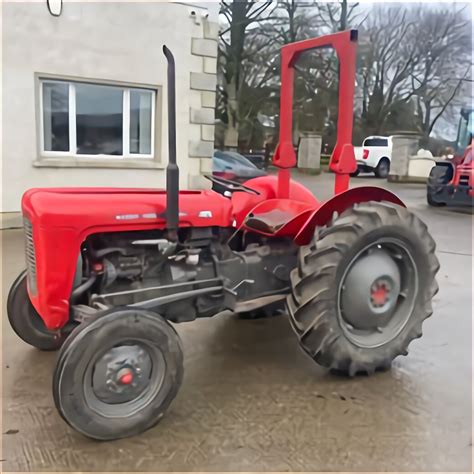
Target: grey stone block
point(201, 149)
point(203, 116)
point(208, 99)
point(204, 47)
point(207, 133)
point(211, 30)
point(204, 82)
point(210, 65)
point(206, 165)
point(309, 151)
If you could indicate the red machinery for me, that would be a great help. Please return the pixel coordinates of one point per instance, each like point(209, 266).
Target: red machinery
point(451, 182)
point(107, 269)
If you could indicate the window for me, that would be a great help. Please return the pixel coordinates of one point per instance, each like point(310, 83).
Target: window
point(86, 119)
point(376, 142)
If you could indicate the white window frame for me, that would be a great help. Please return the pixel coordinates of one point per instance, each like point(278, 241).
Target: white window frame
point(126, 155)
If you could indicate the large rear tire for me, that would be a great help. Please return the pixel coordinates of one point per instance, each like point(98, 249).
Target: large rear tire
point(118, 373)
point(363, 288)
point(25, 320)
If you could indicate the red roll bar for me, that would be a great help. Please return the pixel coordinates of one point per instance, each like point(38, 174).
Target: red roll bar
point(342, 161)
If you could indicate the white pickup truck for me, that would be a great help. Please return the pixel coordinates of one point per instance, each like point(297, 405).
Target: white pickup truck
point(374, 156)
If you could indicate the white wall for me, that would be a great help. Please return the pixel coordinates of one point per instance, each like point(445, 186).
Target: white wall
point(104, 41)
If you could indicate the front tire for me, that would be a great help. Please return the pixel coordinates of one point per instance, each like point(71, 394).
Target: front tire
point(117, 373)
point(25, 320)
point(363, 288)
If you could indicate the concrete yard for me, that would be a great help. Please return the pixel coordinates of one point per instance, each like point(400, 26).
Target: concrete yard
point(251, 400)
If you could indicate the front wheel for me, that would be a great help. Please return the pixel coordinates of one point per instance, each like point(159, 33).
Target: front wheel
point(25, 320)
point(363, 288)
point(117, 373)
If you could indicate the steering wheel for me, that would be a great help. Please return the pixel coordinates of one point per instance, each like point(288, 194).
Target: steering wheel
point(232, 186)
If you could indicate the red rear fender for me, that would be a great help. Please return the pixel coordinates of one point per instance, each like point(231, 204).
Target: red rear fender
point(339, 203)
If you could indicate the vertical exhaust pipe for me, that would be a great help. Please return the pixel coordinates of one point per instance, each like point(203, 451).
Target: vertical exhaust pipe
point(172, 170)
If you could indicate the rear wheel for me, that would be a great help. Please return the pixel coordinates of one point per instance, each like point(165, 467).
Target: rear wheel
point(25, 320)
point(117, 373)
point(363, 288)
point(383, 168)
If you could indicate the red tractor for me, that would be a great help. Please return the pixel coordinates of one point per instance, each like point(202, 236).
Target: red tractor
point(108, 269)
point(451, 181)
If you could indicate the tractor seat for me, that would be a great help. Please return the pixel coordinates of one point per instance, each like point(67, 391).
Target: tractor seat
point(269, 222)
point(274, 216)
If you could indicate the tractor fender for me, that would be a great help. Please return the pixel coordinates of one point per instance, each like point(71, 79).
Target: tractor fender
point(339, 203)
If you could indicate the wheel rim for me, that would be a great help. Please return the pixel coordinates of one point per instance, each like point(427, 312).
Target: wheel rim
point(377, 292)
point(124, 379)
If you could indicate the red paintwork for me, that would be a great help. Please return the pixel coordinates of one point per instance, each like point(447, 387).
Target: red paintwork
point(267, 186)
point(379, 294)
point(465, 168)
point(126, 379)
point(63, 218)
point(297, 214)
point(339, 204)
point(343, 159)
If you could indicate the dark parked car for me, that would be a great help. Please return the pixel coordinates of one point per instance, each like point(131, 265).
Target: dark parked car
point(233, 166)
point(257, 157)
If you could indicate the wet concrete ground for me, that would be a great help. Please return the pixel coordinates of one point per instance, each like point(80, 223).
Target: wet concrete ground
point(252, 401)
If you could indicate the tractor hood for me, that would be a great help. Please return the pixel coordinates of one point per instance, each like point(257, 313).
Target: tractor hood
point(58, 220)
point(100, 209)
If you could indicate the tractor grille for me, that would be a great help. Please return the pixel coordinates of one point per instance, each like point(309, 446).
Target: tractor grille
point(464, 180)
point(30, 256)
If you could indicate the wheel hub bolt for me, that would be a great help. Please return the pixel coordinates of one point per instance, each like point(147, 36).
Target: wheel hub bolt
point(379, 293)
point(125, 376)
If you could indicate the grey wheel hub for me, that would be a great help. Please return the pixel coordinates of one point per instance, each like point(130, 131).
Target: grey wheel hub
point(377, 293)
point(370, 290)
point(122, 374)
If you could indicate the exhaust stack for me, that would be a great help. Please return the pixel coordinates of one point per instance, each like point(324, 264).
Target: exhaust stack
point(172, 170)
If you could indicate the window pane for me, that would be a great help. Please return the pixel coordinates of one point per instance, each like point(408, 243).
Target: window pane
point(99, 119)
point(376, 142)
point(56, 116)
point(140, 121)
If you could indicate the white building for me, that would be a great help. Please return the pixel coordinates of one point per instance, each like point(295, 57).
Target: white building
point(84, 94)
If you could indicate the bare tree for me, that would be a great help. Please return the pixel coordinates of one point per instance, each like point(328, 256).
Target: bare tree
point(412, 54)
point(239, 15)
point(413, 67)
point(386, 64)
point(445, 63)
point(340, 16)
